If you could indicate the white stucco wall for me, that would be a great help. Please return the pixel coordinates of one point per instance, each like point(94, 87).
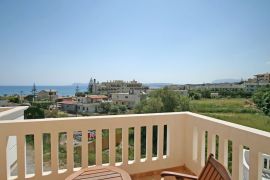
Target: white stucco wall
point(126, 99)
point(13, 113)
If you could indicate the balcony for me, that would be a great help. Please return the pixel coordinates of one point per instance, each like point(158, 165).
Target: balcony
point(182, 140)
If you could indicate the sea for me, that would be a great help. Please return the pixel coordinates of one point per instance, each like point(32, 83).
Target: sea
point(26, 90)
point(68, 90)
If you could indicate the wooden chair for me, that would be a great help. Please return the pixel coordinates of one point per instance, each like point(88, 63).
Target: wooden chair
point(213, 170)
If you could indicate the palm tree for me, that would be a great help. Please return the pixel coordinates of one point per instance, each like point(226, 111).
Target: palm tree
point(90, 86)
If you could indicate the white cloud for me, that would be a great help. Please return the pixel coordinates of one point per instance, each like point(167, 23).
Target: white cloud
point(268, 62)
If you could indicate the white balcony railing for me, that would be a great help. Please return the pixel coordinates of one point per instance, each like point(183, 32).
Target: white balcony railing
point(185, 143)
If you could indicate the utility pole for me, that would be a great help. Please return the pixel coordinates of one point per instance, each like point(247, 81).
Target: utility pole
point(21, 96)
point(50, 94)
point(34, 91)
point(76, 95)
point(77, 90)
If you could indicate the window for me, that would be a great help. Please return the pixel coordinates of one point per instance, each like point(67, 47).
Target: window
point(265, 164)
point(126, 97)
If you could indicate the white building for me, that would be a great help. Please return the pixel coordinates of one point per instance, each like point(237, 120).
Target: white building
point(258, 81)
point(128, 99)
point(12, 113)
point(214, 95)
point(69, 106)
point(90, 104)
point(216, 86)
point(115, 86)
point(47, 95)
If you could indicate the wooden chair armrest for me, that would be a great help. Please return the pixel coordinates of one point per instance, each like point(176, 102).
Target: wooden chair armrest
point(178, 175)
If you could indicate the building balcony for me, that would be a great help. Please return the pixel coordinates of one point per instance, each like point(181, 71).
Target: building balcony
point(149, 143)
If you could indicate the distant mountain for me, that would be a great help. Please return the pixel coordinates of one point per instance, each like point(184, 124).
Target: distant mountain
point(226, 81)
point(79, 84)
point(156, 85)
point(150, 85)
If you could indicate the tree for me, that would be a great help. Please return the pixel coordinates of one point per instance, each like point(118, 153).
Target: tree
point(80, 94)
point(50, 94)
point(183, 104)
point(114, 110)
point(90, 86)
point(34, 113)
point(266, 103)
point(170, 100)
point(163, 100)
point(262, 99)
point(205, 93)
point(42, 104)
point(14, 99)
point(152, 105)
point(29, 98)
point(105, 107)
point(194, 95)
point(122, 109)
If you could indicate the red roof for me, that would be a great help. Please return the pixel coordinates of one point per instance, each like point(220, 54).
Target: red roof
point(68, 102)
point(98, 97)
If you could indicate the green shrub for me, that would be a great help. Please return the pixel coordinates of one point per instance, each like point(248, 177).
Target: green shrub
point(34, 113)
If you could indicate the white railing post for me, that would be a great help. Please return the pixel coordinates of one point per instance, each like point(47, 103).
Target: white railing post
point(237, 161)
point(149, 142)
point(38, 154)
point(3, 158)
point(195, 144)
point(160, 141)
point(137, 144)
point(112, 146)
point(21, 156)
point(169, 137)
point(183, 146)
point(223, 151)
point(255, 164)
point(84, 148)
point(125, 134)
point(201, 147)
point(211, 143)
point(54, 153)
point(98, 147)
point(70, 152)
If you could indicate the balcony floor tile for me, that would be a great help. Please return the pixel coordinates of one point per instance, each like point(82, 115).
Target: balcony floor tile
point(155, 175)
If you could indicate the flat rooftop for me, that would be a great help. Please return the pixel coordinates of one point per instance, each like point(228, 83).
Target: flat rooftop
point(2, 109)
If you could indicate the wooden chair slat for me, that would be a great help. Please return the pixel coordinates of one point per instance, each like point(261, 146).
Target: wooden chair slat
point(95, 171)
point(210, 173)
point(205, 171)
point(213, 177)
point(105, 176)
point(213, 170)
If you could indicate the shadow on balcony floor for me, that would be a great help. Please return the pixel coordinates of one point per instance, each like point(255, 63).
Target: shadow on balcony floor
point(155, 175)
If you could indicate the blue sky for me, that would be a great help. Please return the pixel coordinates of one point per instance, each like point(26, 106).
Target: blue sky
point(177, 41)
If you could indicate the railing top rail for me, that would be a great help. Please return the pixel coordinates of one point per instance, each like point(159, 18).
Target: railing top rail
point(94, 117)
point(157, 117)
point(11, 110)
point(229, 124)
